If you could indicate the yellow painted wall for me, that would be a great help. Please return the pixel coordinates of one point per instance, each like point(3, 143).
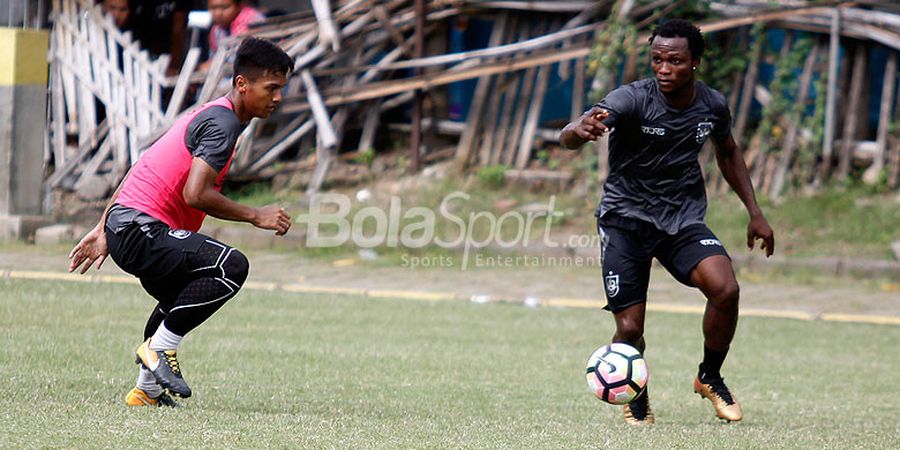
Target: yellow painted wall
point(23, 56)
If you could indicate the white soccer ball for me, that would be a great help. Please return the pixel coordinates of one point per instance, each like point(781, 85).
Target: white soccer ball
point(617, 373)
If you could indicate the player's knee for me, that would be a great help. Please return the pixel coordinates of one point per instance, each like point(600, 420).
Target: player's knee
point(726, 295)
point(630, 331)
point(236, 267)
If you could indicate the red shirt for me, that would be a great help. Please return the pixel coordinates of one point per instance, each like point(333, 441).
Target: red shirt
point(241, 23)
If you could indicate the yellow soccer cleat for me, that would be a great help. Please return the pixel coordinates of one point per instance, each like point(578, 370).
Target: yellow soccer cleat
point(137, 397)
point(726, 406)
point(638, 412)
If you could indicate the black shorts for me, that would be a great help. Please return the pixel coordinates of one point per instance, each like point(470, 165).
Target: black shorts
point(165, 260)
point(628, 246)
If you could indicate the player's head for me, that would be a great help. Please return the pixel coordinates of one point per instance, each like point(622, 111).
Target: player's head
point(675, 51)
point(260, 72)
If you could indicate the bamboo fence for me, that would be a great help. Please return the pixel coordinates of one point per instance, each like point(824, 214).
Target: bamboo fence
point(359, 60)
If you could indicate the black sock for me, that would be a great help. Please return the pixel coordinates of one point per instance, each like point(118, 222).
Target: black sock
point(712, 363)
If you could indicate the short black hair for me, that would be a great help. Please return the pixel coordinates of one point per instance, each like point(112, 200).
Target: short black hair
point(256, 57)
point(685, 29)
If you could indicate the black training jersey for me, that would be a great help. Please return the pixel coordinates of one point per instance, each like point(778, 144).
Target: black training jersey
point(654, 173)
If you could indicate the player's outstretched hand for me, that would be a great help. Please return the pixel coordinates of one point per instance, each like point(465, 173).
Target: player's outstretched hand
point(759, 228)
point(273, 217)
point(590, 125)
point(90, 250)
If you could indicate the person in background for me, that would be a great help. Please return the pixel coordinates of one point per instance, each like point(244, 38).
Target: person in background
point(160, 26)
point(120, 12)
point(230, 18)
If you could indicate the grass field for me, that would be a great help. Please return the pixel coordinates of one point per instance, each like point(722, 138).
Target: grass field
point(292, 371)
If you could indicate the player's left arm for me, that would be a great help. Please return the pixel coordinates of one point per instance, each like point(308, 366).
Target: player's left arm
point(730, 159)
point(200, 193)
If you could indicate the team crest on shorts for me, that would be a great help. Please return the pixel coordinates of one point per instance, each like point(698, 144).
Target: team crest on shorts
point(612, 285)
point(179, 234)
point(703, 130)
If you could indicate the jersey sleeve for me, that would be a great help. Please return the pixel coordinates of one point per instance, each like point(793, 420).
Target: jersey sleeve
point(722, 126)
point(212, 134)
point(621, 104)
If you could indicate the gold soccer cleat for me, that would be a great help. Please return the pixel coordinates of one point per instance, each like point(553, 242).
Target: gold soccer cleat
point(726, 406)
point(137, 397)
point(638, 412)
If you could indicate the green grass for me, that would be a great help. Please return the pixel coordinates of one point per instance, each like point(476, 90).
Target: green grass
point(292, 371)
point(848, 224)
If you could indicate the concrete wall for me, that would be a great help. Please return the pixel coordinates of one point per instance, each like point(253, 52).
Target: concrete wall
point(23, 112)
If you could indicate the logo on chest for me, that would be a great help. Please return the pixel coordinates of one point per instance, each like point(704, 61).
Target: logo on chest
point(704, 129)
point(653, 131)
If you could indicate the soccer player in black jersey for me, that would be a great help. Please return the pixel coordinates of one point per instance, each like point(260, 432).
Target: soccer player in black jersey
point(654, 202)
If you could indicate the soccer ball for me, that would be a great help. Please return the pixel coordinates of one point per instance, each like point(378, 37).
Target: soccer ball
point(617, 373)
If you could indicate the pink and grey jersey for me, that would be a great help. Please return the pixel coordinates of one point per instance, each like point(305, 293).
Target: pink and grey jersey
point(156, 182)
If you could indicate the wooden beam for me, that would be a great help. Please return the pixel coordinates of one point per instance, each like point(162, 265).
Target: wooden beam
point(831, 101)
point(386, 88)
point(328, 35)
point(790, 141)
point(850, 123)
point(534, 113)
point(872, 174)
point(473, 121)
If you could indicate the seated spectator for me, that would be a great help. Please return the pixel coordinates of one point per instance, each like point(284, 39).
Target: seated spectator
point(120, 12)
point(230, 18)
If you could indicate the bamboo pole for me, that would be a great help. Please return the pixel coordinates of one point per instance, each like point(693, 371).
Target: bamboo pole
point(790, 140)
point(872, 174)
point(850, 123)
point(534, 113)
point(467, 140)
point(181, 86)
point(326, 136)
point(431, 80)
point(578, 90)
point(509, 155)
point(286, 137)
point(327, 33)
point(831, 102)
point(415, 139)
point(370, 126)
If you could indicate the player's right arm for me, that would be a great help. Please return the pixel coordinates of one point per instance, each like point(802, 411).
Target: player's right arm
point(92, 248)
point(588, 127)
point(200, 193)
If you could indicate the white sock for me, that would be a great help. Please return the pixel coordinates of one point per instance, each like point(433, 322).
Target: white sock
point(164, 339)
point(148, 384)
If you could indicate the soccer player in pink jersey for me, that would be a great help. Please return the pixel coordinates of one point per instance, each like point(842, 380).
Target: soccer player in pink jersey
point(150, 224)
